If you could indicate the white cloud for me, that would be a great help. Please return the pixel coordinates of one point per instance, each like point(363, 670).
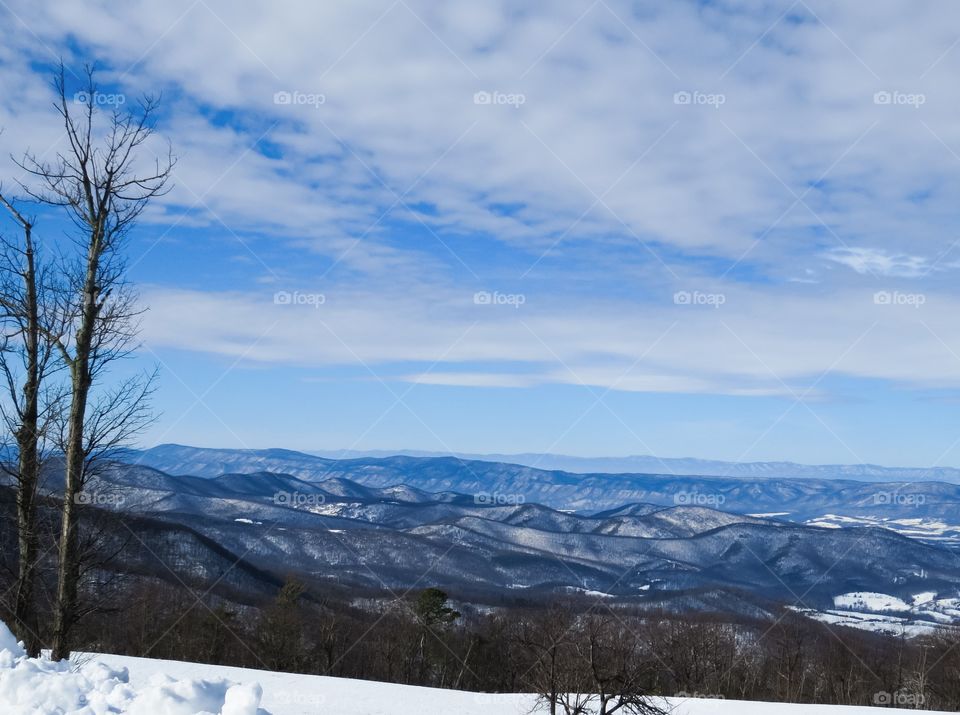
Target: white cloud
point(599, 86)
point(599, 165)
point(871, 261)
point(754, 344)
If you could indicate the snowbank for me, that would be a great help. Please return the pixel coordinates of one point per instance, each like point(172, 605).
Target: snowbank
point(291, 694)
point(37, 686)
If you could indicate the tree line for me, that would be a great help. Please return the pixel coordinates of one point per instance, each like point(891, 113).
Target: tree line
point(67, 315)
point(579, 656)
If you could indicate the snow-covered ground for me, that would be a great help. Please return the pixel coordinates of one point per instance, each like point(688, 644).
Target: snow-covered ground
point(924, 614)
point(928, 529)
point(287, 694)
point(102, 684)
point(37, 686)
point(874, 622)
point(870, 602)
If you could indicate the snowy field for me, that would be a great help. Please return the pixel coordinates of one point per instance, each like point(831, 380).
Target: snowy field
point(925, 614)
point(102, 684)
point(286, 694)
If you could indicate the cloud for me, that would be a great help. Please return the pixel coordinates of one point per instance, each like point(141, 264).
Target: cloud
point(473, 379)
point(754, 344)
point(870, 261)
point(724, 146)
point(599, 140)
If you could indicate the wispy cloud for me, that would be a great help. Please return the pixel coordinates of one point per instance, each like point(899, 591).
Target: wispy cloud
point(873, 261)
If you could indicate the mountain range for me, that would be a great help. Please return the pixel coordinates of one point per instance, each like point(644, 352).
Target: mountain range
point(799, 499)
point(490, 532)
point(648, 464)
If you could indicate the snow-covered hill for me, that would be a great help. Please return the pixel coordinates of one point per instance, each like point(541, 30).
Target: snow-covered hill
point(289, 694)
point(883, 613)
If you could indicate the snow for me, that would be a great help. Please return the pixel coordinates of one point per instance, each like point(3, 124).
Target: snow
point(869, 601)
point(8, 641)
point(39, 686)
point(874, 622)
point(290, 694)
point(588, 592)
point(925, 614)
point(929, 529)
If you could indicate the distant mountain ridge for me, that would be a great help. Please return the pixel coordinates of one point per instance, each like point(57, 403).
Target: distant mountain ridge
point(798, 499)
point(689, 466)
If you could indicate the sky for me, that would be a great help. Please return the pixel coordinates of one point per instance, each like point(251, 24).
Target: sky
point(713, 229)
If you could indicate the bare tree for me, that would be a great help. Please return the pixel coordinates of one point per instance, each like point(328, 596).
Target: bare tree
point(280, 631)
point(618, 672)
point(547, 639)
point(27, 359)
point(100, 182)
point(587, 663)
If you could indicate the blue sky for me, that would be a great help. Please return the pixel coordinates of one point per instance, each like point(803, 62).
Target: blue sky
point(722, 230)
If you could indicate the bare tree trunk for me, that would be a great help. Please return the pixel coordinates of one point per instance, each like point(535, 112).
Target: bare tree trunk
point(24, 611)
point(29, 463)
point(24, 422)
point(68, 576)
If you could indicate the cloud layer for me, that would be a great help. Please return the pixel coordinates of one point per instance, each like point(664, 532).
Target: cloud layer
point(597, 158)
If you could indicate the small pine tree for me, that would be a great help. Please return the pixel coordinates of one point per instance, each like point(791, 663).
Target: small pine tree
point(432, 610)
point(432, 615)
